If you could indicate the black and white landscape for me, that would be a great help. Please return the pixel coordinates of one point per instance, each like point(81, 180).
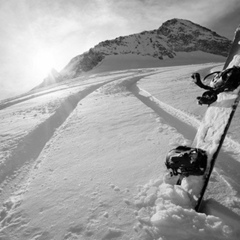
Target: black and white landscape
point(82, 154)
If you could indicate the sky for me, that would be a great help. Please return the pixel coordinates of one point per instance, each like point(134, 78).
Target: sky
point(38, 35)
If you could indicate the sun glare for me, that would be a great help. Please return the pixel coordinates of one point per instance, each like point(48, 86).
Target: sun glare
point(43, 62)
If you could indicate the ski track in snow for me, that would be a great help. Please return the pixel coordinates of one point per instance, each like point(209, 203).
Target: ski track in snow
point(29, 147)
point(33, 143)
point(187, 126)
point(170, 114)
point(60, 87)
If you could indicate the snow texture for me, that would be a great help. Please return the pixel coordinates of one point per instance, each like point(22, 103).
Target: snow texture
point(85, 160)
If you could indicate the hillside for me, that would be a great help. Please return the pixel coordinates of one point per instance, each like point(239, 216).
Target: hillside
point(168, 42)
point(85, 160)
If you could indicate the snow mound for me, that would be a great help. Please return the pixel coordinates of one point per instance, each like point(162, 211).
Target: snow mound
point(165, 211)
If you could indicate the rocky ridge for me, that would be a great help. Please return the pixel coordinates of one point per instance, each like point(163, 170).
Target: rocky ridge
point(175, 35)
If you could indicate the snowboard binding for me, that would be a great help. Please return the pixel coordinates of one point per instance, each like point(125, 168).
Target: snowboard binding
point(226, 80)
point(186, 161)
point(207, 97)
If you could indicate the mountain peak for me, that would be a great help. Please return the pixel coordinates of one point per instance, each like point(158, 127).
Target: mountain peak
point(177, 26)
point(174, 36)
point(178, 21)
point(175, 21)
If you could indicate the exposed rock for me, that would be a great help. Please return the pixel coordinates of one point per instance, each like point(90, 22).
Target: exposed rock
point(173, 36)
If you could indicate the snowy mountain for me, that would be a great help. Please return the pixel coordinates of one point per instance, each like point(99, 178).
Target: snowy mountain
point(173, 37)
point(51, 78)
point(86, 159)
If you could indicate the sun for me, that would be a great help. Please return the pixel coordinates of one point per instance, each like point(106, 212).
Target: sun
point(43, 62)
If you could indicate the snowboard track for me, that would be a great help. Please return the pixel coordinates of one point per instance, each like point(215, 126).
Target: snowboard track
point(19, 163)
point(187, 126)
point(41, 92)
point(30, 146)
point(65, 110)
point(188, 131)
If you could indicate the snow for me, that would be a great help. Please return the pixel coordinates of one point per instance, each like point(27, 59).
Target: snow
point(174, 218)
point(135, 61)
point(85, 160)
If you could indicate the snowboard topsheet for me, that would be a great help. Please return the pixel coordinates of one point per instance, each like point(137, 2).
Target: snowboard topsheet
point(213, 128)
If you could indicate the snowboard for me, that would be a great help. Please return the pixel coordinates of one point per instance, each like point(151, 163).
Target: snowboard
point(213, 128)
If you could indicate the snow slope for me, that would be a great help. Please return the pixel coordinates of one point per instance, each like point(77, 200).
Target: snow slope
point(85, 160)
point(176, 41)
point(134, 61)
